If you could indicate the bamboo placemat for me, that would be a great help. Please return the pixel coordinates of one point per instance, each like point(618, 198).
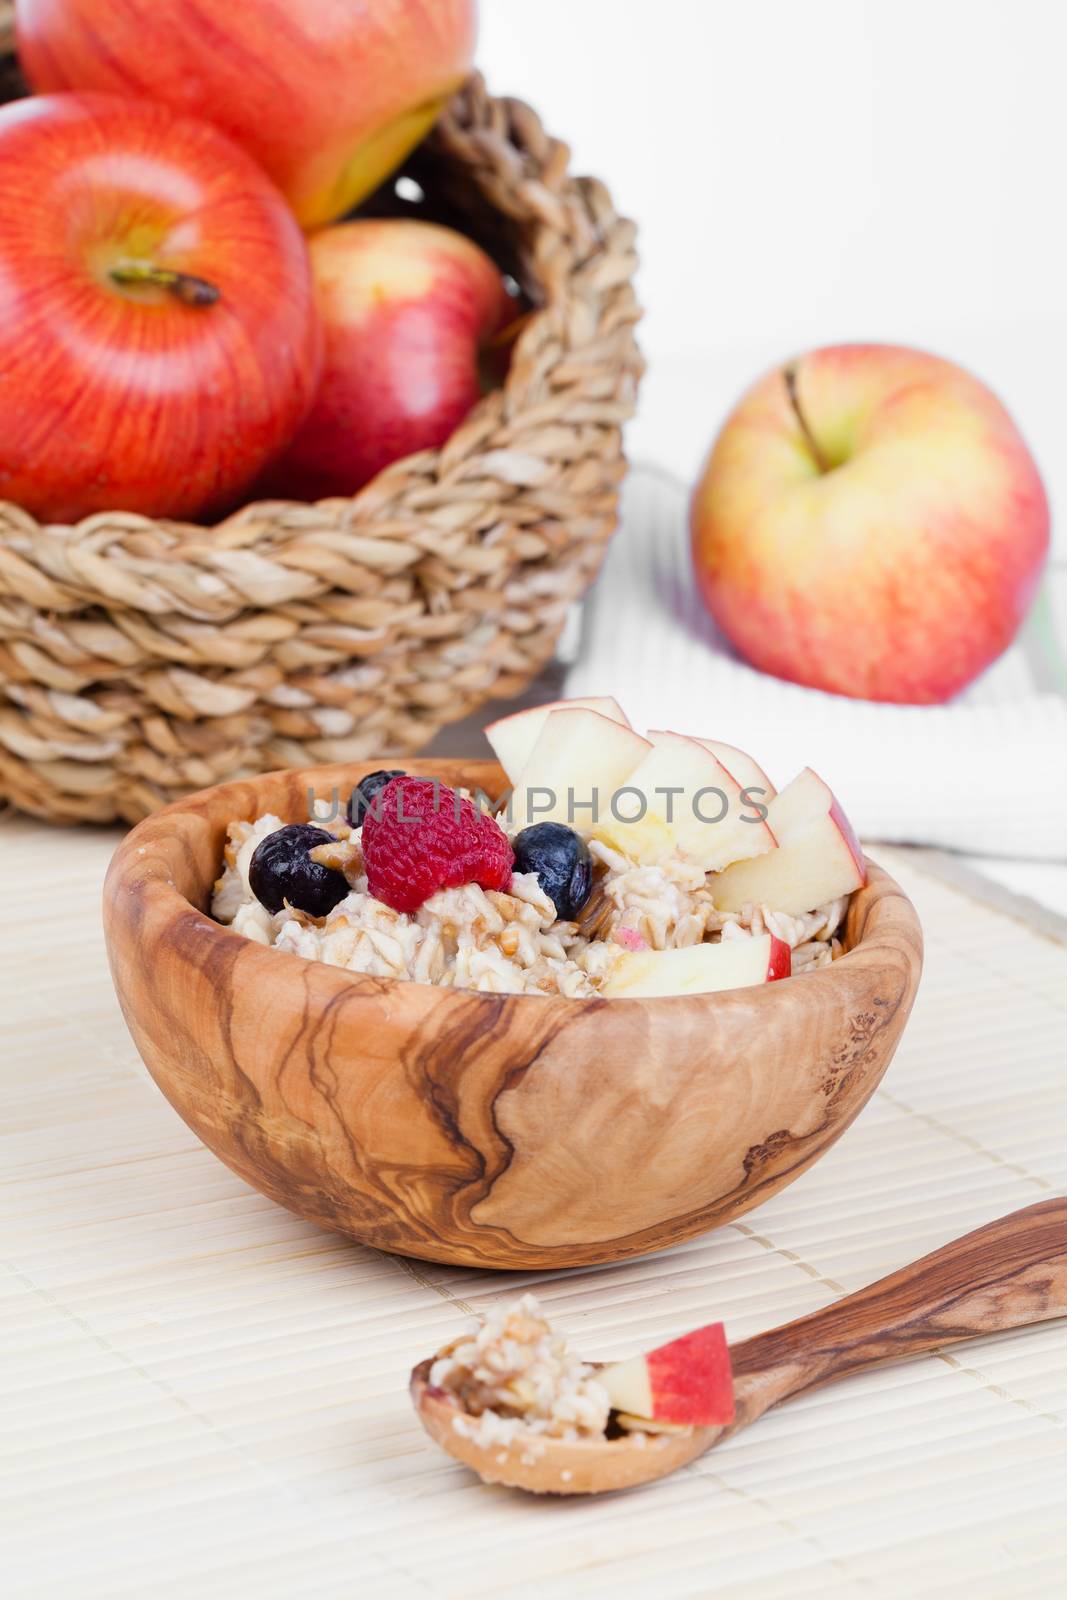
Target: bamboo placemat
point(203, 1395)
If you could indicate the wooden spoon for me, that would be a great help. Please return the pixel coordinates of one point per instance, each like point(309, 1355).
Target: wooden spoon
point(1008, 1274)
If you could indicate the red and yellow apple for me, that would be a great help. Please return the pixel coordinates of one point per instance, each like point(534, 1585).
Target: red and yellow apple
point(870, 522)
point(159, 335)
point(407, 310)
point(329, 96)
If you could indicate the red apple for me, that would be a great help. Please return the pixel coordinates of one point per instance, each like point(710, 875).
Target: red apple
point(407, 308)
point(687, 1382)
point(870, 522)
point(157, 323)
point(329, 96)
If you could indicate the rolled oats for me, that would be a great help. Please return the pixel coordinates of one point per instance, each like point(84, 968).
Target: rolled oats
point(515, 1378)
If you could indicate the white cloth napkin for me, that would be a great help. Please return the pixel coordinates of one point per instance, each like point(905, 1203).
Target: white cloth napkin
point(986, 773)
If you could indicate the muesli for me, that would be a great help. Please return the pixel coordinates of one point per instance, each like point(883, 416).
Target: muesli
point(514, 1377)
point(515, 1382)
point(618, 881)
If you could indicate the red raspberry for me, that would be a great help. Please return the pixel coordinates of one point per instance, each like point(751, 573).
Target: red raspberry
point(420, 836)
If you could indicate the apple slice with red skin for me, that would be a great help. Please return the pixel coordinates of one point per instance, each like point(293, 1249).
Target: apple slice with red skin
point(740, 765)
point(578, 762)
point(512, 738)
point(686, 1383)
point(683, 801)
point(818, 856)
point(699, 968)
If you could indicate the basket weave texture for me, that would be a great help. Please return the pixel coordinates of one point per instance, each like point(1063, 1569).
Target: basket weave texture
point(142, 659)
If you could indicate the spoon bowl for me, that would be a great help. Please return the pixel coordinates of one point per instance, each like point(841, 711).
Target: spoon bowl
point(557, 1466)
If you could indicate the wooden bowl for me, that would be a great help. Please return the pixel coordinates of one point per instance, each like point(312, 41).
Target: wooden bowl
point(486, 1130)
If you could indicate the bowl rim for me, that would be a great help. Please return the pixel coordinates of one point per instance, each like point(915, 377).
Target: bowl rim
point(145, 861)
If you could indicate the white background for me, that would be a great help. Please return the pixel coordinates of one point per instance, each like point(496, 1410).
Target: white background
point(810, 171)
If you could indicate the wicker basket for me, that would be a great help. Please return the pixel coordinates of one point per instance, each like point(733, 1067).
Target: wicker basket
point(141, 659)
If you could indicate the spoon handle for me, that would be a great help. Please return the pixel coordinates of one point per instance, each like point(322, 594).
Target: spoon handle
point(1009, 1274)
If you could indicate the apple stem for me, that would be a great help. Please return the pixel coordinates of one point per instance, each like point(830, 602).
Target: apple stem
point(184, 286)
point(790, 375)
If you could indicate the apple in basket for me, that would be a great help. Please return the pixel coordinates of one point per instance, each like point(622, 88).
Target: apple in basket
point(329, 96)
point(410, 311)
point(157, 320)
point(870, 522)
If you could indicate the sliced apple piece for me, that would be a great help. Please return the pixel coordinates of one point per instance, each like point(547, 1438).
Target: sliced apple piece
point(818, 855)
point(699, 968)
point(686, 1383)
point(579, 760)
point(740, 765)
point(684, 800)
point(512, 738)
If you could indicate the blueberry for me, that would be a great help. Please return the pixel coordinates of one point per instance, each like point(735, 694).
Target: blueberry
point(561, 861)
point(364, 792)
point(281, 869)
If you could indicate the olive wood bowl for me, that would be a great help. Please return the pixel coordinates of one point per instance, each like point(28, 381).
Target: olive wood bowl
point(507, 1131)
